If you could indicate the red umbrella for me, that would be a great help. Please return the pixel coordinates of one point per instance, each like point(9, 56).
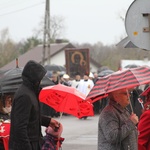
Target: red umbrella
point(66, 99)
point(128, 78)
point(145, 92)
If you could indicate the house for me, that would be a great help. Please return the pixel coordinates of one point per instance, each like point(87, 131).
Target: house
point(126, 43)
point(57, 56)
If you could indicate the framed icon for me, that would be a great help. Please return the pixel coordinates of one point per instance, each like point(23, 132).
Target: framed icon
point(77, 61)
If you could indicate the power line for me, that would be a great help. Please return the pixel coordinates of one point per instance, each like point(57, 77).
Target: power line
point(12, 12)
point(12, 3)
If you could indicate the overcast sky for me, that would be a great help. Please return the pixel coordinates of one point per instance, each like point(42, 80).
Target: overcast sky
point(89, 21)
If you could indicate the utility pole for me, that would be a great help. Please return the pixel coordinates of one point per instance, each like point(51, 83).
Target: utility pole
point(46, 37)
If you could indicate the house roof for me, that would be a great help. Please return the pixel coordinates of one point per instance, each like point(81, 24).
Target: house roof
point(126, 43)
point(36, 54)
point(98, 65)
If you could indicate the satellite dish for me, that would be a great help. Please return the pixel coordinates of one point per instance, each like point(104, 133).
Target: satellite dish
point(137, 23)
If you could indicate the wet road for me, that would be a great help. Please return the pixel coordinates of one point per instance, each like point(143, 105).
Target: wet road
point(79, 134)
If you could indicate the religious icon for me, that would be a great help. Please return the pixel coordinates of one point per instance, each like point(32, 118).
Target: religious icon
point(77, 61)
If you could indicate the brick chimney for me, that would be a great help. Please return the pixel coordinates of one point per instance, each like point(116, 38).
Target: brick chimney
point(58, 41)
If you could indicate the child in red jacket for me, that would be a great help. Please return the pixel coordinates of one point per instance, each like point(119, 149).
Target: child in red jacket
point(144, 124)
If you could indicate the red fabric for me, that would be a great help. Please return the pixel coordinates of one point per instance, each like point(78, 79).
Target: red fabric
point(4, 134)
point(66, 99)
point(86, 109)
point(128, 78)
point(144, 131)
point(59, 143)
point(146, 92)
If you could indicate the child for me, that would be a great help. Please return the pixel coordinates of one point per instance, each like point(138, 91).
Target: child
point(53, 139)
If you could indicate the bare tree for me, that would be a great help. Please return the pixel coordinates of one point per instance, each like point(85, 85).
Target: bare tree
point(111, 55)
point(7, 48)
point(57, 28)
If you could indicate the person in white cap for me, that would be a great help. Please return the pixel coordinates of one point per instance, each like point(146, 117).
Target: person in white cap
point(91, 76)
point(65, 80)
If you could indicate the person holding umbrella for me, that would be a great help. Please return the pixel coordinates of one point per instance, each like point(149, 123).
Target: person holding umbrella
point(117, 128)
point(26, 119)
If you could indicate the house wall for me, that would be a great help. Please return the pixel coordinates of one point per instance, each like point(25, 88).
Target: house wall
point(58, 59)
point(93, 68)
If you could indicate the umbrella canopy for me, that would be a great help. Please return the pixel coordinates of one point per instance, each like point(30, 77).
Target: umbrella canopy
point(145, 92)
point(2, 72)
point(128, 78)
point(66, 99)
point(132, 66)
point(11, 80)
point(105, 73)
point(46, 82)
point(54, 68)
point(102, 68)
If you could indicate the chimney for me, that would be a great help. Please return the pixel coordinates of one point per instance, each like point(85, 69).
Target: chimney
point(58, 41)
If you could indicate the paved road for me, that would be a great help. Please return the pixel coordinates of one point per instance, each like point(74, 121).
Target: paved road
point(79, 134)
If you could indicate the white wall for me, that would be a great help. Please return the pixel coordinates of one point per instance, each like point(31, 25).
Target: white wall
point(58, 59)
point(93, 68)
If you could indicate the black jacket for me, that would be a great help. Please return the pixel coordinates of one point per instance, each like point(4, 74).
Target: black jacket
point(26, 120)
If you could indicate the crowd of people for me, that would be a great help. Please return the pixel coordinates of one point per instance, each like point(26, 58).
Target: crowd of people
point(119, 127)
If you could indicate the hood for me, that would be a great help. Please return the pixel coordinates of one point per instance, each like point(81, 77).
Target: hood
point(33, 71)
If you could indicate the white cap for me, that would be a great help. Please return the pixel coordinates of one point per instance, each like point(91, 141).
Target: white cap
point(66, 76)
point(91, 75)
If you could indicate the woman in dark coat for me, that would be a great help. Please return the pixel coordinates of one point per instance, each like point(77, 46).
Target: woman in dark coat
point(26, 121)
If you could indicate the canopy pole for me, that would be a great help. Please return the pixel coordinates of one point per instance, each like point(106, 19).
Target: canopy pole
point(129, 100)
point(61, 113)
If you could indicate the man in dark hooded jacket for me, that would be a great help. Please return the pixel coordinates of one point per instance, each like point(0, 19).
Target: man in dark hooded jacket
point(26, 119)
